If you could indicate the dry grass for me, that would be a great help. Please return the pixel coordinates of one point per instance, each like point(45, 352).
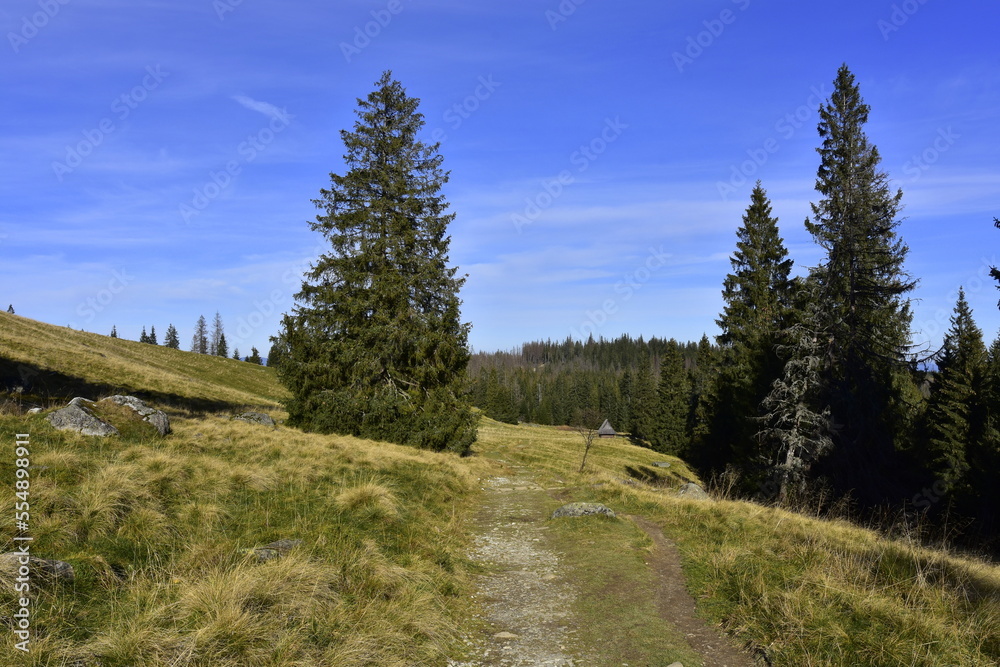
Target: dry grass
point(797, 589)
point(161, 531)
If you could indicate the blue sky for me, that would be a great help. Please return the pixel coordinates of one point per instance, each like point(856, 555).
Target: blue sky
point(158, 159)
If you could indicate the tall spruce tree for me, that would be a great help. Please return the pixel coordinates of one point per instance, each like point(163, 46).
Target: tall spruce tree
point(217, 338)
point(644, 405)
point(199, 342)
point(956, 419)
point(144, 337)
point(222, 347)
point(171, 339)
point(704, 394)
point(862, 287)
point(254, 357)
point(376, 344)
point(114, 331)
point(670, 433)
point(152, 335)
point(757, 295)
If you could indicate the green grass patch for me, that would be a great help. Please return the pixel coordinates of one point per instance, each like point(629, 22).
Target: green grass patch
point(605, 560)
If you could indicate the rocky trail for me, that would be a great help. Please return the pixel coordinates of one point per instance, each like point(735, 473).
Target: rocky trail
point(528, 601)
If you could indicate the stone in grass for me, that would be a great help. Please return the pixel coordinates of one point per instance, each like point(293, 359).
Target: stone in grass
point(662, 464)
point(273, 550)
point(583, 509)
point(49, 570)
point(255, 418)
point(157, 418)
point(76, 417)
point(693, 491)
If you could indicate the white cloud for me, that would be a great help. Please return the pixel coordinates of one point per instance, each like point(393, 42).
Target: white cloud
point(266, 108)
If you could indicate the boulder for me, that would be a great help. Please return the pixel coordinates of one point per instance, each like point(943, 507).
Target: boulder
point(692, 490)
point(38, 568)
point(583, 509)
point(157, 418)
point(255, 418)
point(76, 417)
point(662, 464)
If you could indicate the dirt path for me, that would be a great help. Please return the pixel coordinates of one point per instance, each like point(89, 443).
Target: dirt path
point(677, 605)
point(528, 605)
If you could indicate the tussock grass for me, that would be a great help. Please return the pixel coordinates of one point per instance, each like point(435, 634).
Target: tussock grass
point(161, 530)
point(798, 590)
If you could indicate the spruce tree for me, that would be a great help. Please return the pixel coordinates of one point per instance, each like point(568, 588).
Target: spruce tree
point(704, 394)
point(199, 342)
point(254, 357)
point(757, 295)
point(670, 434)
point(171, 340)
point(10, 309)
point(152, 336)
point(236, 354)
point(114, 331)
point(645, 403)
point(217, 337)
point(862, 289)
point(143, 337)
point(222, 347)
point(796, 428)
point(376, 345)
point(955, 418)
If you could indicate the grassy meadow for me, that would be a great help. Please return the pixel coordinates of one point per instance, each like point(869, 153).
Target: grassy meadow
point(161, 532)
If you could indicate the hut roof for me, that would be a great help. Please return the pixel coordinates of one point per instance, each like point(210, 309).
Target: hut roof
point(606, 429)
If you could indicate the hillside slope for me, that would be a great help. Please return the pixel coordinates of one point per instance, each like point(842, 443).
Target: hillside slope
point(55, 362)
point(164, 534)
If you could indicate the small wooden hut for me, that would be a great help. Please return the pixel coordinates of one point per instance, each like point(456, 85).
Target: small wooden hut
point(606, 430)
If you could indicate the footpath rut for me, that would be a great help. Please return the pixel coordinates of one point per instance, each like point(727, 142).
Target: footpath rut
point(528, 602)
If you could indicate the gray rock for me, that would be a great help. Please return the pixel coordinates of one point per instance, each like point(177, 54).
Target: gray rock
point(34, 411)
point(273, 550)
point(76, 417)
point(38, 568)
point(692, 490)
point(583, 509)
point(150, 415)
point(255, 418)
point(662, 464)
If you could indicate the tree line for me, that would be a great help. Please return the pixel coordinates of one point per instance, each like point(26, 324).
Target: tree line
point(202, 342)
point(814, 384)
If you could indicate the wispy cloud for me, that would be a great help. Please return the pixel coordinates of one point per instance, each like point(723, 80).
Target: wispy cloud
point(266, 108)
